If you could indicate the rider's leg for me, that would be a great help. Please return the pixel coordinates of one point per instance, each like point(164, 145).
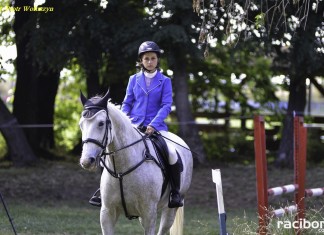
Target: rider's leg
point(175, 167)
point(175, 197)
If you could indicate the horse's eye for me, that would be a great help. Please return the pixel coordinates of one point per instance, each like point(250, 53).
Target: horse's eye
point(101, 124)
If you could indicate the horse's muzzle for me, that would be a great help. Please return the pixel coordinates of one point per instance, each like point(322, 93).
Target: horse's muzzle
point(88, 163)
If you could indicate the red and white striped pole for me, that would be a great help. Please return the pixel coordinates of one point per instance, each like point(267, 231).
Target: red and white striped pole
point(261, 173)
point(300, 147)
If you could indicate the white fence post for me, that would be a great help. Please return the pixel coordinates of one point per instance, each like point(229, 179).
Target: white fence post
point(220, 201)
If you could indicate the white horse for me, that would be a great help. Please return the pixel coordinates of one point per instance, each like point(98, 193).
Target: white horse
point(131, 182)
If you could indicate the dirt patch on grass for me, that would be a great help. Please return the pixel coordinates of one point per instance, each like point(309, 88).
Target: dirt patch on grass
point(67, 183)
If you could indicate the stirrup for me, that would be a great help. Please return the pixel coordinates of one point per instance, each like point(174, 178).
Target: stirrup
point(175, 199)
point(96, 200)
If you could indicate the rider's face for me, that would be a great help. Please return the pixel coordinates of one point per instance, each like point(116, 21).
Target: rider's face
point(150, 61)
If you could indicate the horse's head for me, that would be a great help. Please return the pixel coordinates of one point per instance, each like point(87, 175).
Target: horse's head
point(96, 130)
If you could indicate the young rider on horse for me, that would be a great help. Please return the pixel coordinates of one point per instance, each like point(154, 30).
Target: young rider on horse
point(148, 102)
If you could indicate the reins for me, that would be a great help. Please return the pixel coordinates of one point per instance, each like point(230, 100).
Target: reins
point(125, 147)
point(180, 145)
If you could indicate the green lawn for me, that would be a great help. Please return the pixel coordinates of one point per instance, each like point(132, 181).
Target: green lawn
point(52, 199)
point(32, 219)
point(84, 220)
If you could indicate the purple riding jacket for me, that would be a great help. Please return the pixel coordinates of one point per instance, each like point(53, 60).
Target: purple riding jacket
point(148, 106)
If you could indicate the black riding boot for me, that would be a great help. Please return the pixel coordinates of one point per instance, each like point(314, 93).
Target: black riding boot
point(95, 200)
point(175, 199)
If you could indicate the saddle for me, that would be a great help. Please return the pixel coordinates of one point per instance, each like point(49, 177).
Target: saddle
point(162, 154)
point(160, 147)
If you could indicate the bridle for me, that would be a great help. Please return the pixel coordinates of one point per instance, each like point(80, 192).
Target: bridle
point(104, 140)
point(103, 143)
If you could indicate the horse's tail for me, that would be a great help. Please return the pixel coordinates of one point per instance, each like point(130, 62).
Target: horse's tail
point(177, 227)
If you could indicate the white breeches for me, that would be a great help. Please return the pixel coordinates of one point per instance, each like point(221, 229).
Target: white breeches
point(173, 157)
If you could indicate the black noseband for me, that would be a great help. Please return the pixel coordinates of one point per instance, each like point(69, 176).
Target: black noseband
point(89, 140)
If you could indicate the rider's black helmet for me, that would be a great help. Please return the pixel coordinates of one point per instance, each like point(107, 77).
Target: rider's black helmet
point(148, 46)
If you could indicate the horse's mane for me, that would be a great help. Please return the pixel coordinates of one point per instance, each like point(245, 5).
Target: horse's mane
point(97, 103)
point(112, 107)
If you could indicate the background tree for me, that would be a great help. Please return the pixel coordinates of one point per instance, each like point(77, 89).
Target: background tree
point(290, 31)
point(301, 61)
point(127, 30)
point(25, 88)
point(173, 23)
point(230, 75)
point(17, 145)
point(47, 42)
point(37, 81)
point(100, 44)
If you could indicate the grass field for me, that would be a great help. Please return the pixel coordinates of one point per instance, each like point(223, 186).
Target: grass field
point(31, 219)
point(63, 219)
point(52, 199)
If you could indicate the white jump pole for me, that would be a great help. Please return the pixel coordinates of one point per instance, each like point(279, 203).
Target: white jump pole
point(220, 201)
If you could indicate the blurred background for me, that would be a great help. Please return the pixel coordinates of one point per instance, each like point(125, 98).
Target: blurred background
point(228, 61)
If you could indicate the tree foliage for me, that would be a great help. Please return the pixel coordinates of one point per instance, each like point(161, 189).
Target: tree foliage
point(290, 32)
point(99, 44)
point(67, 110)
point(238, 75)
point(266, 20)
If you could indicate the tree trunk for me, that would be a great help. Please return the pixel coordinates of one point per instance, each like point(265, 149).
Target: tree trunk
point(47, 89)
point(19, 151)
point(304, 63)
point(35, 89)
point(25, 102)
point(93, 83)
point(188, 129)
point(296, 106)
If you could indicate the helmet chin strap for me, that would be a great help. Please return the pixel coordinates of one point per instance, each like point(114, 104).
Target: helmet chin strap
point(149, 71)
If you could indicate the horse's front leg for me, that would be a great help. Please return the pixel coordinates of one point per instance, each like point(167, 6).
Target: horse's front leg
point(148, 221)
point(108, 219)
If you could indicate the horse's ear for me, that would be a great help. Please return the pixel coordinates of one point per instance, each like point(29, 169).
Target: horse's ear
point(106, 97)
point(102, 102)
point(83, 98)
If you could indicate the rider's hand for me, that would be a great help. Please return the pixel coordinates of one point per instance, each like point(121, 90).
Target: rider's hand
point(149, 130)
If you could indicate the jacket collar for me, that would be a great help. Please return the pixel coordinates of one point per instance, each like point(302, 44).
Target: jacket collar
point(157, 80)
